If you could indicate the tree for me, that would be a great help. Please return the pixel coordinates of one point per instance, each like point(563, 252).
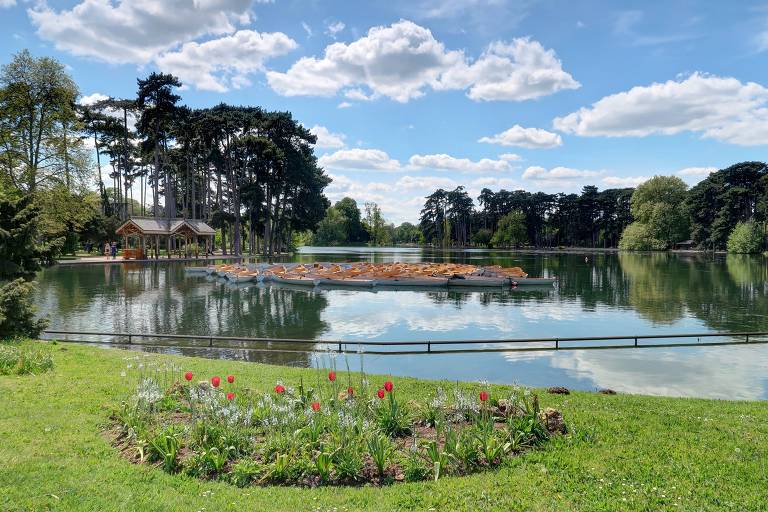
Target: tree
point(746, 238)
point(20, 258)
point(511, 231)
point(38, 123)
point(20, 255)
point(407, 233)
point(482, 237)
point(376, 226)
point(658, 206)
point(725, 198)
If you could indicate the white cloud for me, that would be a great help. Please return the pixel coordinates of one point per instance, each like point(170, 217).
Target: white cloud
point(344, 104)
point(7, 3)
point(697, 171)
point(531, 138)
point(402, 60)
point(224, 63)
point(135, 31)
point(520, 70)
point(510, 157)
point(327, 139)
point(624, 181)
point(426, 184)
point(719, 108)
point(450, 163)
point(146, 31)
point(358, 94)
point(92, 99)
point(306, 28)
point(359, 160)
point(536, 172)
point(334, 28)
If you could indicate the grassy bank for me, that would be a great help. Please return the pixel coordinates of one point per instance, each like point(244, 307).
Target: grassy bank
point(629, 453)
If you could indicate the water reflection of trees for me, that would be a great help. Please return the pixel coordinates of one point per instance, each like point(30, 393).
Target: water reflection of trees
point(161, 299)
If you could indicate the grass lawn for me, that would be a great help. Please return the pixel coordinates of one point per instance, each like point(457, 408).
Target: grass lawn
point(629, 453)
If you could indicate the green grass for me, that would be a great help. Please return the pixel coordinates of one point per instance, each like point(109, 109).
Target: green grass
point(629, 453)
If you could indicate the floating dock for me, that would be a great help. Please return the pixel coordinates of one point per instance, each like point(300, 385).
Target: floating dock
point(368, 275)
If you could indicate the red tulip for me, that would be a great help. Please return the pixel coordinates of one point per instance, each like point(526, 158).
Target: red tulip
point(230, 378)
point(188, 376)
point(350, 391)
point(230, 396)
point(215, 381)
point(380, 393)
point(331, 376)
point(483, 396)
point(315, 406)
point(279, 389)
point(388, 386)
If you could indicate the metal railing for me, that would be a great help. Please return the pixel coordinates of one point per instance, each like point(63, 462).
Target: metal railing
point(151, 340)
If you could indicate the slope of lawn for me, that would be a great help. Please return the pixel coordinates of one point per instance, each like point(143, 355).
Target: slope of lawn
point(627, 452)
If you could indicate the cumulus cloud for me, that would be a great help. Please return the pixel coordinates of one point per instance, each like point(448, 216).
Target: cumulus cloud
point(531, 138)
point(520, 70)
point(7, 3)
point(224, 63)
point(327, 139)
point(92, 99)
point(624, 181)
point(723, 109)
point(426, 184)
point(697, 171)
point(359, 160)
point(536, 172)
point(450, 163)
point(144, 31)
point(135, 31)
point(403, 60)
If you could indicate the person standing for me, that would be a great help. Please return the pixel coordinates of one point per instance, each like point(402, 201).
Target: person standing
point(106, 249)
point(113, 248)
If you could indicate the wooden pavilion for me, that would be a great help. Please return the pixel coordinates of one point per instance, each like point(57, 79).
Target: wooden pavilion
point(143, 235)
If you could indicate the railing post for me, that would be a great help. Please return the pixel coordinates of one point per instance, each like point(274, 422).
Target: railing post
point(557, 344)
point(210, 341)
point(429, 346)
point(339, 348)
point(747, 337)
point(635, 340)
point(129, 338)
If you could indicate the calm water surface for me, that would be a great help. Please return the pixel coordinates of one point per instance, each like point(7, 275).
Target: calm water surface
point(602, 296)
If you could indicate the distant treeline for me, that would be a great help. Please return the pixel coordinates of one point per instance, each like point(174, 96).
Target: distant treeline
point(727, 210)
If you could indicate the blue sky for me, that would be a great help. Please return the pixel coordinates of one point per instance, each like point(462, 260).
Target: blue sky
point(407, 96)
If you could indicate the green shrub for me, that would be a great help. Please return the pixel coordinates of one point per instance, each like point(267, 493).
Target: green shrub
point(16, 359)
point(746, 238)
point(17, 313)
point(638, 237)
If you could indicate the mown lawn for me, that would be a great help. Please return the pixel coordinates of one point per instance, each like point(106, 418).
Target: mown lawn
point(628, 453)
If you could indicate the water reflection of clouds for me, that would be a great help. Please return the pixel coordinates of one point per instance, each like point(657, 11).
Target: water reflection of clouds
point(712, 372)
point(400, 313)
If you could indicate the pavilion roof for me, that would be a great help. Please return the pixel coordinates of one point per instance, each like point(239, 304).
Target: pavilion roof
point(160, 226)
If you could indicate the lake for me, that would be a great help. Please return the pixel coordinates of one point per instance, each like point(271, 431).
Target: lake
point(596, 295)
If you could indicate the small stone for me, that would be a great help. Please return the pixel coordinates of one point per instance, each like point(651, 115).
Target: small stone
point(607, 391)
point(399, 477)
point(204, 385)
point(553, 420)
point(558, 390)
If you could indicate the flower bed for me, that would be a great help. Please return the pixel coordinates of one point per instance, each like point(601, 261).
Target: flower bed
point(331, 433)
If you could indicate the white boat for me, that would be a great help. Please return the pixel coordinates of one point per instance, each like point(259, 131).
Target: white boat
point(196, 270)
point(296, 280)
